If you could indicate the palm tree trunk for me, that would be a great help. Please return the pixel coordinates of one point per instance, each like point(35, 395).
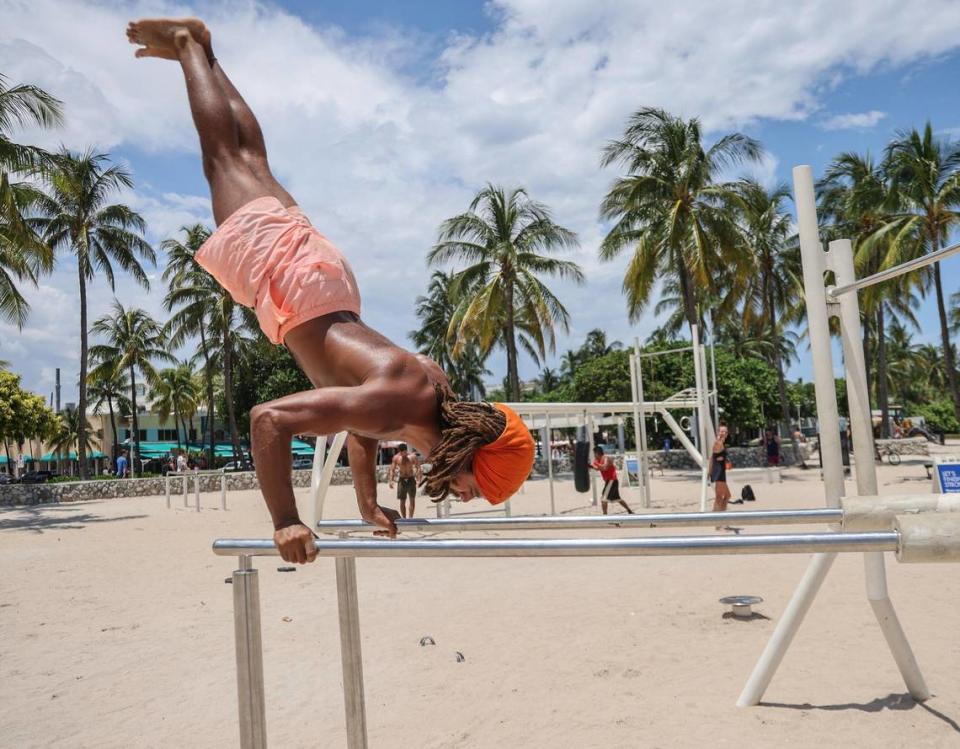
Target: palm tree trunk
point(176, 422)
point(113, 430)
point(781, 379)
point(883, 395)
point(689, 303)
point(948, 361)
point(208, 374)
point(135, 452)
point(82, 400)
point(513, 376)
point(228, 396)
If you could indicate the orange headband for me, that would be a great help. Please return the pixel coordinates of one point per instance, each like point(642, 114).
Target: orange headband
point(502, 466)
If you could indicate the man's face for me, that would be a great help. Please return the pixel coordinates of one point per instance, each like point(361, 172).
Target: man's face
point(464, 485)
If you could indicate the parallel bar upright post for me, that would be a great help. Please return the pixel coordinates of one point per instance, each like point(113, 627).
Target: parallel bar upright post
point(196, 486)
point(643, 463)
point(250, 690)
point(166, 484)
point(549, 448)
point(223, 490)
point(186, 490)
point(861, 427)
point(814, 266)
point(350, 652)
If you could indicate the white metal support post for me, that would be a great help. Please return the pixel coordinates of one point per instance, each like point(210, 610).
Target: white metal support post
point(310, 508)
point(840, 260)
point(814, 266)
point(703, 416)
point(588, 420)
point(643, 460)
point(553, 506)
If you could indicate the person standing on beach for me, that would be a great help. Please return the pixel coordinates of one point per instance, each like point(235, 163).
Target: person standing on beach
point(771, 442)
point(122, 465)
point(718, 470)
point(611, 484)
point(405, 467)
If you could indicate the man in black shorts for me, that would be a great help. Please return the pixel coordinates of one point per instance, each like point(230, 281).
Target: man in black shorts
point(405, 469)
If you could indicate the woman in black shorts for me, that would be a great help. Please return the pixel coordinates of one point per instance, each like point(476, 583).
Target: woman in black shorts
point(718, 470)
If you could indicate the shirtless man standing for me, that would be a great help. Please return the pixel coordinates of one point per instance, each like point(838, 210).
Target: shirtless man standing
point(405, 468)
point(270, 257)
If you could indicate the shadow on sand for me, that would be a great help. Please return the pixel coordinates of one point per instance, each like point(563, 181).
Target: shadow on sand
point(890, 702)
point(54, 517)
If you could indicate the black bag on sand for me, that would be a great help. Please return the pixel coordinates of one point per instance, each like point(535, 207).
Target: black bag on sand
point(581, 467)
point(747, 495)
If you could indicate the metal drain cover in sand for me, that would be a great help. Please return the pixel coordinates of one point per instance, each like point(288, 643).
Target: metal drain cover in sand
point(741, 605)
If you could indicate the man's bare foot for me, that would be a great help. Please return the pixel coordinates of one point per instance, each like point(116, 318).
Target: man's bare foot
point(158, 36)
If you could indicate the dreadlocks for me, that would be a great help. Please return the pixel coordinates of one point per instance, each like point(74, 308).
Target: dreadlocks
point(465, 427)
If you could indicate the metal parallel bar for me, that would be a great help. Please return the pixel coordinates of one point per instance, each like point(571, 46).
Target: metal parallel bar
point(800, 543)
point(622, 407)
point(250, 690)
point(350, 652)
point(569, 522)
point(894, 272)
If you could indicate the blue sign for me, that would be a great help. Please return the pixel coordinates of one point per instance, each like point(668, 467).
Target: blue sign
point(948, 476)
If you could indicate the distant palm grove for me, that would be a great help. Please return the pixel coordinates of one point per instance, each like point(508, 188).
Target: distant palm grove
point(700, 249)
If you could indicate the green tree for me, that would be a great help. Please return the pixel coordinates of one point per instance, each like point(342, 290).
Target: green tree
point(265, 372)
point(23, 415)
point(23, 253)
point(109, 386)
point(924, 170)
point(77, 217)
point(507, 239)
point(133, 341)
point(670, 210)
point(549, 379)
point(175, 392)
point(772, 278)
point(65, 432)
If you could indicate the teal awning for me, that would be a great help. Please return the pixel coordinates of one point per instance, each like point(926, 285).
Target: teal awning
point(299, 447)
point(50, 457)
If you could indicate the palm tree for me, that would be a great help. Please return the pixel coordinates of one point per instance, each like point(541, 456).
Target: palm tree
point(436, 312)
point(175, 391)
point(466, 377)
point(771, 277)
point(109, 385)
point(77, 217)
point(549, 379)
point(669, 208)
point(595, 345)
point(66, 433)
point(23, 254)
point(857, 197)
point(507, 239)
point(205, 309)
point(925, 173)
point(133, 341)
point(569, 363)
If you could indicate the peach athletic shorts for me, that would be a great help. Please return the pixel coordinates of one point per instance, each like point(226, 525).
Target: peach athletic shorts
point(271, 258)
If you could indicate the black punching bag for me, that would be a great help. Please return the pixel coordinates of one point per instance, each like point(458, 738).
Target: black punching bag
point(581, 466)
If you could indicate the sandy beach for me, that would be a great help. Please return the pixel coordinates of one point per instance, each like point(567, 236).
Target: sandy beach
point(118, 632)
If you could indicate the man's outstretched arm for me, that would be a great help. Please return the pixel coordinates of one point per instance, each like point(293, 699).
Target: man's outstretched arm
point(325, 411)
point(362, 452)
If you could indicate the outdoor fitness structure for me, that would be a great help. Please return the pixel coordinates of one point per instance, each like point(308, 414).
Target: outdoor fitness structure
point(921, 528)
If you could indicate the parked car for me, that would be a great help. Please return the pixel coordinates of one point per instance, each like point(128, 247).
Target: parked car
point(6, 478)
point(302, 462)
point(234, 466)
point(36, 477)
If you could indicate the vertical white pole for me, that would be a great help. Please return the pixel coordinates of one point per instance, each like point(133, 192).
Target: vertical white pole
point(643, 461)
point(703, 416)
point(811, 253)
point(223, 490)
point(350, 652)
point(196, 486)
point(186, 491)
point(553, 506)
point(166, 484)
point(249, 651)
point(716, 390)
point(861, 427)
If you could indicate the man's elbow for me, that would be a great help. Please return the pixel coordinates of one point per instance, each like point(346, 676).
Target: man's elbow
point(266, 425)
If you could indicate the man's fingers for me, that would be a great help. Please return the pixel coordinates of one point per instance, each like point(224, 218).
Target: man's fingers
point(310, 549)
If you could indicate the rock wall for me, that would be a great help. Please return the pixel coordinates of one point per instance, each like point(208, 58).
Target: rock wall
point(79, 491)
point(909, 446)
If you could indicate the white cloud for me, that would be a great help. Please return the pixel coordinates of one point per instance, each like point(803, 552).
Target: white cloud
point(378, 158)
point(853, 120)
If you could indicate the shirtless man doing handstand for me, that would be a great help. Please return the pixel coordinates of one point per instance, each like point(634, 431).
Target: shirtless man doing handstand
point(269, 257)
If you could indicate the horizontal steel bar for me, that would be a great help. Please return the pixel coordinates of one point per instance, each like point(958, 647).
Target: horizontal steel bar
point(800, 543)
point(621, 407)
point(894, 272)
point(568, 522)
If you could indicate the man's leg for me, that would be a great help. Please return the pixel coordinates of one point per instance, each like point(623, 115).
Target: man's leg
point(403, 508)
point(413, 502)
point(232, 182)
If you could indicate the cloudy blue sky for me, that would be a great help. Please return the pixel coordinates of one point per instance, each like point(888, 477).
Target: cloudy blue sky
point(383, 118)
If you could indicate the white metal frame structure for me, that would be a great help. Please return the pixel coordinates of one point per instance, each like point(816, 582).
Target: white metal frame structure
point(185, 476)
point(822, 303)
point(929, 537)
